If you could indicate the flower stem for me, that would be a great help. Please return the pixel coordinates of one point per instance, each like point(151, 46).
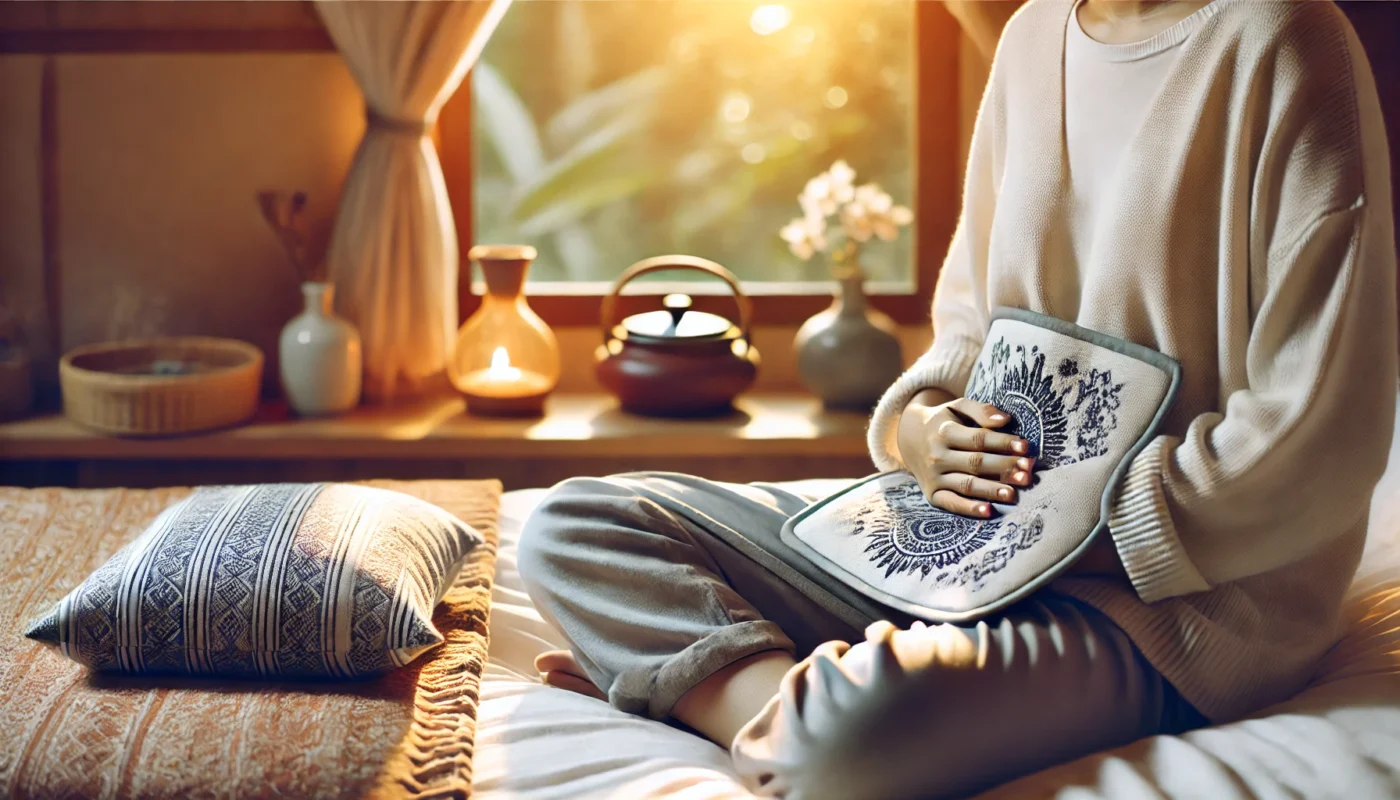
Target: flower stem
point(845, 259)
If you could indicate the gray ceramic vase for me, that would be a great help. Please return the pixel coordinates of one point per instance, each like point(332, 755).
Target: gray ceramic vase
point(848, 355)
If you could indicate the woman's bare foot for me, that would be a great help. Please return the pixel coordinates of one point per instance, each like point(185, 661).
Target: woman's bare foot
point(559, 668)
point(716, 707)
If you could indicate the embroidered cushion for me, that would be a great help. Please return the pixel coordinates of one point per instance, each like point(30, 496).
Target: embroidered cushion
point(1086, 402)
point(275, 580)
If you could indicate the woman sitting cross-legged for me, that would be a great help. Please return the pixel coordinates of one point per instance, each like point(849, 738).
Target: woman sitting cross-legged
point(1205, 179)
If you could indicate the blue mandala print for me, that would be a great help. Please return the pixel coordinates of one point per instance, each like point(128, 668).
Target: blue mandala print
point(1066, 415)
point(1012, 539)
point(908, 535)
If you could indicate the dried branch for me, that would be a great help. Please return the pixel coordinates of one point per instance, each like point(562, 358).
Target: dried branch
point(283, 213)
point(11, 328)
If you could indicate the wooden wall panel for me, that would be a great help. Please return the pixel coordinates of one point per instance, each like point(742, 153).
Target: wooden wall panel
point(212, 26)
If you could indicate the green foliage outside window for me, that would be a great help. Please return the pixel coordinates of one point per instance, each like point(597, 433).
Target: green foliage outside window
point(606, 132)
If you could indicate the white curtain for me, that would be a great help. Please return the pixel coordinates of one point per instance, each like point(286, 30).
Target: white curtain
point(393, 253)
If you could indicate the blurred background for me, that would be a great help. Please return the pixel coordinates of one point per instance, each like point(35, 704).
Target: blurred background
point(607, 132)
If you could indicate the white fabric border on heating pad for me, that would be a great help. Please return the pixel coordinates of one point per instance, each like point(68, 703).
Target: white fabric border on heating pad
point(1340, 738)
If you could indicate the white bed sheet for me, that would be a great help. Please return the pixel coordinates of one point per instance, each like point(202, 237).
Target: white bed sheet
point(1338, 739)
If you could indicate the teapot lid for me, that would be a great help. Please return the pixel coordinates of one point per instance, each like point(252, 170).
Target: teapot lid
point(678, 321)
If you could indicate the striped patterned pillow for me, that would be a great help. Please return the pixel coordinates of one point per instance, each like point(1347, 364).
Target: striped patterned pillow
point(276, 580)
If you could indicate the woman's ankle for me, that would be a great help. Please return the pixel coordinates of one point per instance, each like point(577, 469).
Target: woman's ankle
point(721, 704)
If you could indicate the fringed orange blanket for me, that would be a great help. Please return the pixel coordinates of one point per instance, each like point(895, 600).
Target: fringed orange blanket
point(65, 732)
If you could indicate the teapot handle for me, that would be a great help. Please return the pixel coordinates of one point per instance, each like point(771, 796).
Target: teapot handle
point(744, 304)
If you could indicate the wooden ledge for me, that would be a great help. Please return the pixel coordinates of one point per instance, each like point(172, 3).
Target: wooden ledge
point(581, 425)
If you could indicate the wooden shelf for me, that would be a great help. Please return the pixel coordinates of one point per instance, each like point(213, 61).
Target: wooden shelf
point(574, 427)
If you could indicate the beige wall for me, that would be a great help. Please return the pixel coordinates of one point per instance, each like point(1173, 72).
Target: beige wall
point(159, 160)
point(21, 242)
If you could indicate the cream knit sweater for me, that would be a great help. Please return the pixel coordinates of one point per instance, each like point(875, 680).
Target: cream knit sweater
point(1251, 239)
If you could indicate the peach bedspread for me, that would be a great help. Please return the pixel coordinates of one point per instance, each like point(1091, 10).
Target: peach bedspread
point(65, 732)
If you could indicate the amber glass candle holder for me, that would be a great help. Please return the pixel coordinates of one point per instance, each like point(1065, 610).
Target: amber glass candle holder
point(506, 360)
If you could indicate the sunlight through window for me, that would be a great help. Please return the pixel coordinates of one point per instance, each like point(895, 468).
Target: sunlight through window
point(770, 19)
point(604, 133)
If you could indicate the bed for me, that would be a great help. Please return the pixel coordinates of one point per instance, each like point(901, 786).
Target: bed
point(64, 733)
point(1338, 739)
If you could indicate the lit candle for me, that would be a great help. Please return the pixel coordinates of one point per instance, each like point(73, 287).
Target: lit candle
point(502, 388)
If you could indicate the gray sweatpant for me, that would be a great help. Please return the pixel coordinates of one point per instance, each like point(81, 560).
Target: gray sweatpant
point(658, 580)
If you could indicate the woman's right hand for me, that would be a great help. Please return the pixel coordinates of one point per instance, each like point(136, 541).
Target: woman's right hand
point(959, 459)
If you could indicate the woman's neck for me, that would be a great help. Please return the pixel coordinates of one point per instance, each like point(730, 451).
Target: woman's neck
point(1127, 21)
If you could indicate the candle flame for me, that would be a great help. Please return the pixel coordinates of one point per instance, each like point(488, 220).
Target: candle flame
point(500, 359)
point(500, 369)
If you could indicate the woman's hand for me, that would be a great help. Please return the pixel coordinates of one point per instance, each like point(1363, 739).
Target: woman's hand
point(960, 461)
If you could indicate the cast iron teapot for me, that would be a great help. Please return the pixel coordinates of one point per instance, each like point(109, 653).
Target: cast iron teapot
point(676, 362)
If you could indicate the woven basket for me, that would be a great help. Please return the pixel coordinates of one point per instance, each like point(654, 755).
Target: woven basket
point(121, 388)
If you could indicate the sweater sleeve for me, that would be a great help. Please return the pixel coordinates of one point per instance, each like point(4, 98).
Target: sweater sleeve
point(1290, 461)
point(960, 309)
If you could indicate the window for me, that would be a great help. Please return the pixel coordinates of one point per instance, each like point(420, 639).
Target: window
point(604, 133)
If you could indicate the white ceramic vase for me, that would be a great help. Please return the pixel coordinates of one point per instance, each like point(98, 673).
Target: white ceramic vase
point(320, 357)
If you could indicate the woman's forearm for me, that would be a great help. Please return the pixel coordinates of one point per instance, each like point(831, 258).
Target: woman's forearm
point(932, 397)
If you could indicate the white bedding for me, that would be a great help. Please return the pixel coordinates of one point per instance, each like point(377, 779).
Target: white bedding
point(1338, 739)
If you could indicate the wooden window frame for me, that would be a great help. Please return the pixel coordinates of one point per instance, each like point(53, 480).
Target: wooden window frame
point(239, 26)
point(937, 200)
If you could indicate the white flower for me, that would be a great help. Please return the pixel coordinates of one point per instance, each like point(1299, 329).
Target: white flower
point(824, 194)
point(875, 199)
point(812, 205)
point(879, 213)
point(887, 225)
point(864, 211)
point(842, 179)
point(856, 221)
point(816, 198)
point(898, 217)
point(805, 235)
point(795, 234)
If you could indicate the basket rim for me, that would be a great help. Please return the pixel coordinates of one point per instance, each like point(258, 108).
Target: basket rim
point(252, 353)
